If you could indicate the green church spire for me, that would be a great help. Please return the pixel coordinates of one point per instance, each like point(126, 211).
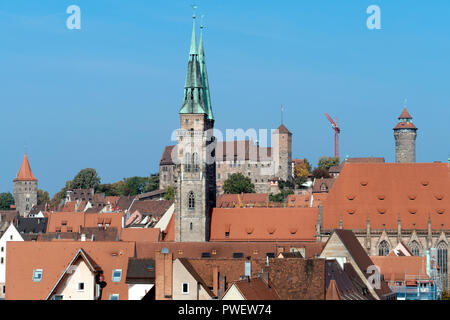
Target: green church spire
point(193, 101)
point(204, 73)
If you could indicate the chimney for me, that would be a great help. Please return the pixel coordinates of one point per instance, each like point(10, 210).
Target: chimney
point(216, 281)
point(163, 276)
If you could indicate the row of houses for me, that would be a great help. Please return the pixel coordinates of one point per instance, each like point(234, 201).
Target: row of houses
point(135, 266)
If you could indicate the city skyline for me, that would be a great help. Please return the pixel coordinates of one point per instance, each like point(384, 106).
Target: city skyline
point(104, 116)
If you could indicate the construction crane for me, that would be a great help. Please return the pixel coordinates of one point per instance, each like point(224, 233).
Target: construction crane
point(337, 130)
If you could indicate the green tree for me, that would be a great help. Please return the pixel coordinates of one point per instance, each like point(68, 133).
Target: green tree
point(170, 193)
point(133, 186)
point(42, 197)
point(280, 197)
point(109, 189)
point(238, 183)
point(328, 162)
point(153, 183)
point(86, 179)
point(6, 200)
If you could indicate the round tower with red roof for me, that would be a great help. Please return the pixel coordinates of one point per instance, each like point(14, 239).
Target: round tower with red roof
point(25, 188)
point(405, 133)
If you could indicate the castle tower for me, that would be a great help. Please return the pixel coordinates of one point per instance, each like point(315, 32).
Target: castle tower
point(25, 188)
point(282, 142)
point(195, 187)
point(405, 133)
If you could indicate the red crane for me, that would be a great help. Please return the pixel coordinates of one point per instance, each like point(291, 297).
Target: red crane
point(337, 130)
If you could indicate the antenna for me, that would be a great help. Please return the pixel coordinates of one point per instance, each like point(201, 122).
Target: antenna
point(281, 114)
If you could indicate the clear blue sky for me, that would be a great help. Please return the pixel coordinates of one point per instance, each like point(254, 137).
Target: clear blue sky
point(107, 96)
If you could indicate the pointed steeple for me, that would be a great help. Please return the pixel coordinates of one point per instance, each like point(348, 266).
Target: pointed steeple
point(205, 80)
point(25, 173)
point(193, 101)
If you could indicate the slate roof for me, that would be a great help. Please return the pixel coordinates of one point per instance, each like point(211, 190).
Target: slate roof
point(31, 225)
point(140, 271)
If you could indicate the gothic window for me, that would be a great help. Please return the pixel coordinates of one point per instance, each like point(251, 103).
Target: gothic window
point(383, 248)
point(195, 162)
point(415, 248)
point(187, 162)
point(191, 200)
point(442, 255)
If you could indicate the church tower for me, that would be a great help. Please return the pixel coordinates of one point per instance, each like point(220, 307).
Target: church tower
point(25, 188)
point(195, 186)
point(405, 133)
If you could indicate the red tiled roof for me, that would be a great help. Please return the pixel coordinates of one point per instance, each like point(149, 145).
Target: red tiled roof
point(384, 192)
point(140, 234)
point(395, 268)
point(283, 129)
point(25, 173)
point(243, 199)
point(405, 114)
point(53, 257)
point(304, 200)
point(166, 158)
point(256, 289)
point(263, 224)
point(319, 182)
point(405, 125)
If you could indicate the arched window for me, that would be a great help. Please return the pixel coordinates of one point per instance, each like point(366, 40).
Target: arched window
point(323, 187)
point(383, 248)
point(195, 161)
point(442, 256)
point(191, 200)
point(415, 248)
point(187, 162)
